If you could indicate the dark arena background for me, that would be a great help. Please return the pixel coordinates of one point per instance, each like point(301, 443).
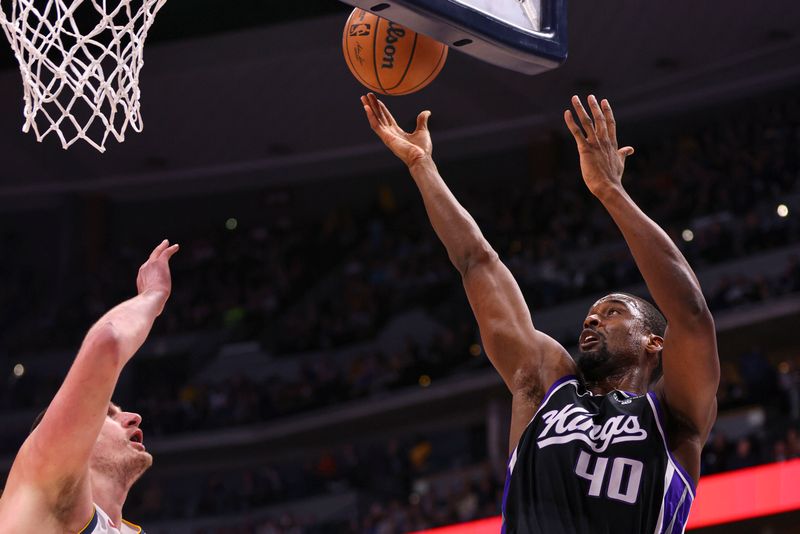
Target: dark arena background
point(318, 368)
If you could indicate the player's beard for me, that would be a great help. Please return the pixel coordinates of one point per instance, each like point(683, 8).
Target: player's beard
point(123, 465)
point(596, 364)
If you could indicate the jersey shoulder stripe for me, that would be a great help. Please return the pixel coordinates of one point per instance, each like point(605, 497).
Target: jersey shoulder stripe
point(91, 525)
point(100, 523)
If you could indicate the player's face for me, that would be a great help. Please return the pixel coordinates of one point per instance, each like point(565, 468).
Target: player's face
point(119, 450)
point(611, 337)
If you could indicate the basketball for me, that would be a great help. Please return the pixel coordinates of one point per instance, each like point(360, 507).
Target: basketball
point(389, 58)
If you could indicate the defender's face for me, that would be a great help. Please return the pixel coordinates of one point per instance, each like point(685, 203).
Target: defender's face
point(120, 445)
point(612, 327)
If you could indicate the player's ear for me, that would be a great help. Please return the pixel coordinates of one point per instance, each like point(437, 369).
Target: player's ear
point(655, 343)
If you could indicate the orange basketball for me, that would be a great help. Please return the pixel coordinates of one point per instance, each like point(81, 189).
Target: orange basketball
point(389, 58)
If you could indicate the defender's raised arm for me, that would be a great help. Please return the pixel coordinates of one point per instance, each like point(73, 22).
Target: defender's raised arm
point(690, 361)
point(527, 359)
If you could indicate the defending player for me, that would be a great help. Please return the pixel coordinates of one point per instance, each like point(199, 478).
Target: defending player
point(74, 471)
point(597, 446)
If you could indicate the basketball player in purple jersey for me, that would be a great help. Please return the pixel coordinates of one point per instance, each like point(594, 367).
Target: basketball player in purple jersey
point(73, 473)
point(604, 442)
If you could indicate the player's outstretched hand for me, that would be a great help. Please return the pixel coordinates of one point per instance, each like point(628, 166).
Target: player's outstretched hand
point(411, 148)
point(602, 161)
point(154, 276)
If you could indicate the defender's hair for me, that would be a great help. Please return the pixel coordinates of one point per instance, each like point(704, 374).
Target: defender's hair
point(654, 320)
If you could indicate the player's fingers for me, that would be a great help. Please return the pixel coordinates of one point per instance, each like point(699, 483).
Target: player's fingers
point(373, 121)
point(159, 249)
point(376, 109)
point(626, 151)
point(584, 119)
point(171, 251)
point(387, 114)
point(573, 127)
point(611, 122)
point(422, 120)
point(369, 104)
point(600, 127)
point(380, 130)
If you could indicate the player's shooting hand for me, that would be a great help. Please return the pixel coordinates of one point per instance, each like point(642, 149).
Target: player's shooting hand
point(411, 147)
point(154, 276)
point(602, 161)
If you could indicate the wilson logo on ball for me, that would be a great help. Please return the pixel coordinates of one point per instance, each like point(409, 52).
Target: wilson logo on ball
point(393, 34)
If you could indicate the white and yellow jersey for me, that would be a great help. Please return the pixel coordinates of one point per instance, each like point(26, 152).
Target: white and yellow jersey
point(102, 524)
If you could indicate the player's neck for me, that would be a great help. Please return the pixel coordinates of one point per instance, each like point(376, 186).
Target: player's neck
point(109, 494)
point(632, 380)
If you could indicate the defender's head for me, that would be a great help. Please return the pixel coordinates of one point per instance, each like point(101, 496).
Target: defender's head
point(621, 331)
point(119, 451)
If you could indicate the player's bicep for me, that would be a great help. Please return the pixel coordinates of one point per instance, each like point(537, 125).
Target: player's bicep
point(509, 337)
point(691, 372)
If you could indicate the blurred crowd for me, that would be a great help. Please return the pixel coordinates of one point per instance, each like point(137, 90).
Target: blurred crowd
point(745, 288)
point(724, 454)
point(301, 283)
point(399, 486)
point(173, 408)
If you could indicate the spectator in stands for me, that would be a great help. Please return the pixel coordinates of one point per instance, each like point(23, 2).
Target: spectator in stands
point(793, 443)
point(716, 454)
point(759, 376)
point(744, 455)
point(789, 383)
point(779, 452)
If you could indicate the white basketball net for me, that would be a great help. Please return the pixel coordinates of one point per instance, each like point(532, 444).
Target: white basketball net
point(80, 62)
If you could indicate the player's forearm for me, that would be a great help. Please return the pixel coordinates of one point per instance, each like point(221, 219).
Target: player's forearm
point(668, 276)
point(453, 224)
point(58, 452)
point(128, 324)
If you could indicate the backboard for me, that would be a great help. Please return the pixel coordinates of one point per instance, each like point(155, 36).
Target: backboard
point(528, 36)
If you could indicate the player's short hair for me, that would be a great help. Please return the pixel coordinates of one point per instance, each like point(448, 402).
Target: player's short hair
point(654, 320)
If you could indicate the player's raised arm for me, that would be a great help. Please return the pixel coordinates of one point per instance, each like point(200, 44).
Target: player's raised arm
point(690, 361)
point(54, 460)
point(519, 352)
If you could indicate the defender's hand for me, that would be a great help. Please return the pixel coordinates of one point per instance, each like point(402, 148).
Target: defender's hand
point(411, 147)
point(602, 162)
point(154, 276)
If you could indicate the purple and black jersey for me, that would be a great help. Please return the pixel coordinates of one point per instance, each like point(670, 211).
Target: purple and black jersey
point(595, 464)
